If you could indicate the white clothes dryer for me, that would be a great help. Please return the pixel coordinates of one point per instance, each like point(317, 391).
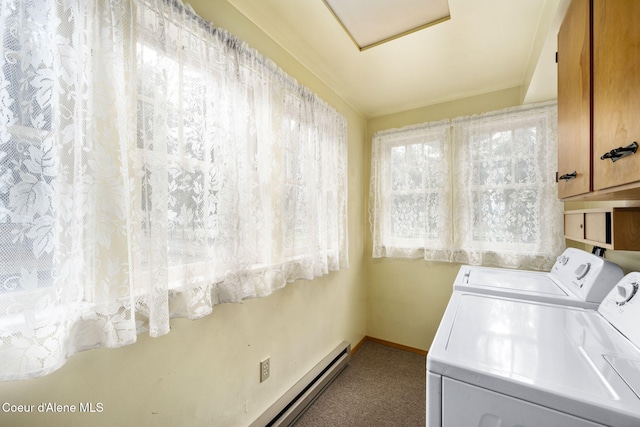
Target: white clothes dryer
point(577, 278)
point(506, 362)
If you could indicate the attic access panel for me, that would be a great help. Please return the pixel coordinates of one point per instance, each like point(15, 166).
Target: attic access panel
point(370, 23)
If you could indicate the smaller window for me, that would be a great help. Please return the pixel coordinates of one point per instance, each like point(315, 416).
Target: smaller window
point(410, 190)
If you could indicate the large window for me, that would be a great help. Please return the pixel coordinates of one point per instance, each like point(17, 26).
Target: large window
point(495, 200)
point(151, 166)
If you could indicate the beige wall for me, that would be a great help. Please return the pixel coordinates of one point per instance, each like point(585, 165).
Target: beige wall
point(206, 372)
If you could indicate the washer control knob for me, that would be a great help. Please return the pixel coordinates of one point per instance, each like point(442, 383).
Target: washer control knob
point(582, 270)
point(626, 291)
point(561, 261)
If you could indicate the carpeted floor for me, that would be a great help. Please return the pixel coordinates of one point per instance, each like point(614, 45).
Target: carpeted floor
point(382, 386)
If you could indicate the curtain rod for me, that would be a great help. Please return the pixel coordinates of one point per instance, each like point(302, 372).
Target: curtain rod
point(188, 10)
point(409, 128)
point(510, 110)
point(241, 47)
point(524, 108)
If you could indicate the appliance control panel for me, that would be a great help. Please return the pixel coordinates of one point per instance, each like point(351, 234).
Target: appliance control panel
point(621, 307)
point(589, 276)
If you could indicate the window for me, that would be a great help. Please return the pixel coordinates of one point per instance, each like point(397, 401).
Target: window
point(411, 189)
point(504, 209)
point(510, 214)
point(151, 166)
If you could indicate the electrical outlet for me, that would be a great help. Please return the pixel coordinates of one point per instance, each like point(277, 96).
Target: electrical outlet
point(265, 369)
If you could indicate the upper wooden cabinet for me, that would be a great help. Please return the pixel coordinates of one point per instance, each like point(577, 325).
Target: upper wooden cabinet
point(599, 100)
point(616, 90)
point(574, 101)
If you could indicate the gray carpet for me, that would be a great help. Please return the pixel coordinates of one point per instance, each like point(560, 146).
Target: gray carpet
point(382, 386)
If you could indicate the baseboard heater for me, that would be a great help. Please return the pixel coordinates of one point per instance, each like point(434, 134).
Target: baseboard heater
point(286, 410)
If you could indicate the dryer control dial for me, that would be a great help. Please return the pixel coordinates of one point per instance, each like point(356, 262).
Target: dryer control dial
point(626, 291)
point(582, 270)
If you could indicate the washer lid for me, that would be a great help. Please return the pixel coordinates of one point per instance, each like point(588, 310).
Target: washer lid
point(516, 280)
point(546, 354)
point(534, 343)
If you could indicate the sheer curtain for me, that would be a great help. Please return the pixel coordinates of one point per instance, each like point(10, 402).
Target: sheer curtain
point(151, 166)
point(507, 162)
point(410, 191)
point(475, 190)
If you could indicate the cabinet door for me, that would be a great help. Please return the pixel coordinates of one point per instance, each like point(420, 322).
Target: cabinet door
point(574, 225)
point(616, 90)
point(597, 227)
point(574, 100)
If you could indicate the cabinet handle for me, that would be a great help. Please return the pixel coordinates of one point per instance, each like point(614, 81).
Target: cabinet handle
point(620, 152)
point(569, 176)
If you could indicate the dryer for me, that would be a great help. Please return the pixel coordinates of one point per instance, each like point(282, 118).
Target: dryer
point(509, 362)
point(577, 278)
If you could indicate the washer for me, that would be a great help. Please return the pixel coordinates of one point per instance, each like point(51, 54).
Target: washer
point(505, 362)
point(578, 278)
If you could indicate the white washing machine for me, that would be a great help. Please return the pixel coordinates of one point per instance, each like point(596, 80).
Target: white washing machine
point(578, 278)
point(505, 362)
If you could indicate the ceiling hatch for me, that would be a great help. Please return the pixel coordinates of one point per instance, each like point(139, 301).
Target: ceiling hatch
point(370, 23)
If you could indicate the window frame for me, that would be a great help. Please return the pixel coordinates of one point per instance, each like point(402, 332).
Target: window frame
point(465, 211)
point(382, 183)
point(299, 253)
point(491, 122)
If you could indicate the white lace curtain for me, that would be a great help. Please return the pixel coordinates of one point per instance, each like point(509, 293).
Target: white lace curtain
point(410, 191)
point(474, 190)
point(151, 166)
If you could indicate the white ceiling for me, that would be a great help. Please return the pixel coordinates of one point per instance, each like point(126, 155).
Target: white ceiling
point(486, 45)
